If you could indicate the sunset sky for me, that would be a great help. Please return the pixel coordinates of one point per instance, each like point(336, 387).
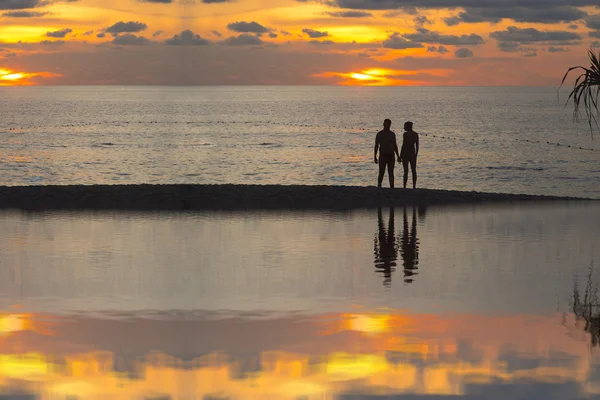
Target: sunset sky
point(306, 42)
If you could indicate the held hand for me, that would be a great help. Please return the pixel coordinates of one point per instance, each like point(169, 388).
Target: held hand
point(399, 159)
point(375, 160)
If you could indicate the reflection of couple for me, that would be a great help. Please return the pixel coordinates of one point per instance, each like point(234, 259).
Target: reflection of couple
point(387, 246)
point(385, 142)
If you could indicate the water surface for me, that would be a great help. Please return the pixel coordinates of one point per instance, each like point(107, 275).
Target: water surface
point(468, 302)
point(509, 140)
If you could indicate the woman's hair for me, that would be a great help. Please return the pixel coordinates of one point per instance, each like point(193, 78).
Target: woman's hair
point(408, 125)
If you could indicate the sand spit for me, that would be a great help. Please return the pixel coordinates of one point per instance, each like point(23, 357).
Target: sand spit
point(238, 197)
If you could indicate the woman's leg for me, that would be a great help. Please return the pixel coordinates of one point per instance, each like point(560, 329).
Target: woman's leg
point(405, 165)
point(413, 168)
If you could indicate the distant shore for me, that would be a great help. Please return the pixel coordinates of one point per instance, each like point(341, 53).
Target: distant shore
point(240, 197)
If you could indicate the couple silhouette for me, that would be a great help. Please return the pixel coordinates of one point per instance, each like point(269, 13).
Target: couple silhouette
point(386, 144)
point(387, 245)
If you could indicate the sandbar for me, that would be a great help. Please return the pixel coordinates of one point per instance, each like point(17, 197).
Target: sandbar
point(181, 197)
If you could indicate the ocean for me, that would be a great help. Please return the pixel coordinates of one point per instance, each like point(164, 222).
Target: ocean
point(497, 139)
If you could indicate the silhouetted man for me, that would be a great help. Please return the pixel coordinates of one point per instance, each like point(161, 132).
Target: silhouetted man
point(386, 247)
point(409, 153)
point(385, 142)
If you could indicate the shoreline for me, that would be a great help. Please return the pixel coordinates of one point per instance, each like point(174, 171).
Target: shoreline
point(183, 197)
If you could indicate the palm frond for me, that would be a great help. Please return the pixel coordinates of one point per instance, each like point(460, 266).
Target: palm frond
point(586, 92)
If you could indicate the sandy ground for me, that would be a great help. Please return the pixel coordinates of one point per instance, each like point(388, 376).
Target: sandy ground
point(238, 197)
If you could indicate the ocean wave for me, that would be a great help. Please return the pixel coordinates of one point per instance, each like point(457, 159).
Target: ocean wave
point(508, 167)
point(267, 144)
point(104, 144)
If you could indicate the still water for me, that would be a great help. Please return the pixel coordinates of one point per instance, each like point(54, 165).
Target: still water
point(475, 302)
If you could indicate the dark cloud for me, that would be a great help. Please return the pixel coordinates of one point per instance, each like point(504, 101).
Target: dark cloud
point(395, 41)
point(509, 47)
point(243, 39)
point(518, 14)
point(129, 39)
point(434, 49)
point(532, 35)
point(541, 11)
point(348, 14)
point(27, 4)
point(101, 35)
point(321, 42)
point(157, 33)
point(126, 27)
point(452, 21)
point(247, 27)
point(593, 21)
point(463, 53)
point(511, 39)
point(19, 4)
point(595, 34)
point(157, 1)
point(421, 20)
point(52, 42)
point(216, 33)
point(187, 38)
point(273, 35)
point(573, 26)
point(60, 33)
point(429, 4)
point(25, 14)
point(314, 34)
point(216, 1)
point(426, 36)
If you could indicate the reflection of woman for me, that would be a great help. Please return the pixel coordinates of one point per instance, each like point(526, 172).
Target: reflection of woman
point(386, 247)
point(409, 152)
point(410, 248)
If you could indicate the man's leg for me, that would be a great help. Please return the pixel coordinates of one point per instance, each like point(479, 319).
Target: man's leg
point(413, 168)
point(391, 163)
point(381, 170)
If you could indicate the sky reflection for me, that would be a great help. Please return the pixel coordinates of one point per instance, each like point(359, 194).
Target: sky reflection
point(384, 352)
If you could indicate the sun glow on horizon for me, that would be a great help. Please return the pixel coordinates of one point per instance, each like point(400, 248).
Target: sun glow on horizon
point(378, 77)
point(12, 78)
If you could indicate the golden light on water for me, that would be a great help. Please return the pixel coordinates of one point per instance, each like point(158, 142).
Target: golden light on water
point(371, 324)
point(50, 365)
point(11, 323)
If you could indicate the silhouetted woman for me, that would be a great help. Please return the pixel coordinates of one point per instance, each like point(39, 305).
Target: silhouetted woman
point(409, 152)
point(409, 247)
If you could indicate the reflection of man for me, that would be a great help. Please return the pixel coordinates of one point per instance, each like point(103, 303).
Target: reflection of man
point(410, 247)
point(386, 247)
